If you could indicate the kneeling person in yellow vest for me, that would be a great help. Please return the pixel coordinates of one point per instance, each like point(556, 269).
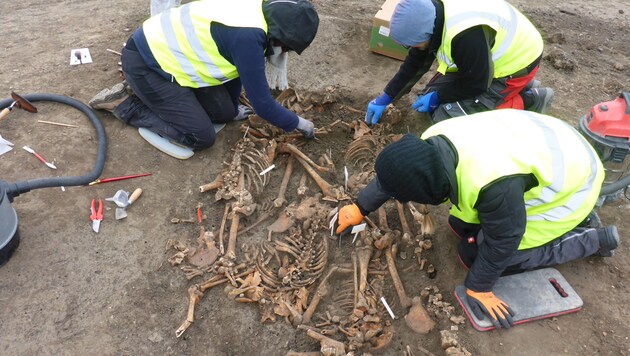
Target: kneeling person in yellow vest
point(521, 186)
point(487, 53)
point(186, 67)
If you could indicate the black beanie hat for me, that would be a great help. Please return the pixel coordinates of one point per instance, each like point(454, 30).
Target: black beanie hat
point(292, 22)
point(411, 169)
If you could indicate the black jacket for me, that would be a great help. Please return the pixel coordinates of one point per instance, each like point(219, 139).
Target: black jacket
point(471, 53)
point(502, 216)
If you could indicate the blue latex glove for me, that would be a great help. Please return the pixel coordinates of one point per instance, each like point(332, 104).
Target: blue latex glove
point(376, 107)
point(426, 103)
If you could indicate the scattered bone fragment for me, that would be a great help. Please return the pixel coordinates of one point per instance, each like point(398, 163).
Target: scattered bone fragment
point(418, 318)
point(180, 221)
point(328, 346)
point(302, 187)
point(205, 252)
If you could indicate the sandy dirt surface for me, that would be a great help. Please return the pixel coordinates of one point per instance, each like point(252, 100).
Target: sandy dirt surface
point(69, 291)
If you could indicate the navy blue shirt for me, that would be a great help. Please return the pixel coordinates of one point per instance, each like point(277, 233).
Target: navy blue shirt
point(245, 48)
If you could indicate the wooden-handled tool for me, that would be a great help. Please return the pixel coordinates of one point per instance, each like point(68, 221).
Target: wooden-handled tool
point(121, 213)
point(18, 102)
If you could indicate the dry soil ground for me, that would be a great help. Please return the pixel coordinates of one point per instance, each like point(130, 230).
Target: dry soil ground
point(68, 291)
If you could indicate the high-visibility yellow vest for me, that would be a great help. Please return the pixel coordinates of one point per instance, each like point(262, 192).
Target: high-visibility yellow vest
point(180, 39)
point(502, 143)
point(517, 42)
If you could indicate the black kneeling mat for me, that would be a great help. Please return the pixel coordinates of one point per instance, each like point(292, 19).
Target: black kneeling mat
point(532, 295)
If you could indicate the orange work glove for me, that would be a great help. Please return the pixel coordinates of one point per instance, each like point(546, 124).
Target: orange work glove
point(487, 303)
point(349, 215)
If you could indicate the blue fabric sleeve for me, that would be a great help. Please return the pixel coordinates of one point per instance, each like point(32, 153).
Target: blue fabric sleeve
point(245, 48)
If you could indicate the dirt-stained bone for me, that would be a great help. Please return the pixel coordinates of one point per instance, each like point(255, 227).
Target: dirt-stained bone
point(231, 251)
point(405, 301)
point(418, 318)
point(289, 148)
point(406, 230)
point(325, 187)
point(280, 200)
point(328, 346)
point(321, 291)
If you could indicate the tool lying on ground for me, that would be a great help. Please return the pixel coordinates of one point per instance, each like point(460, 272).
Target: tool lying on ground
point(96, 215)
point(167, 146)
point(532, 295)
point(30, 150)
point(114, 179)
point(9, 230)
point(18, 102)
point(123, 200)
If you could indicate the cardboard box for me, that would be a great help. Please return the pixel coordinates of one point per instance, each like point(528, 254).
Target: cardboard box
point(380, 42)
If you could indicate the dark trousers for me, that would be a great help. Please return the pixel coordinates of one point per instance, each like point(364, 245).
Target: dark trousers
point(575, 244)
point(185, 115)
point(503, 93)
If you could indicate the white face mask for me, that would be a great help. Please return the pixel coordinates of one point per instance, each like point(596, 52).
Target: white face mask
point(276, 69)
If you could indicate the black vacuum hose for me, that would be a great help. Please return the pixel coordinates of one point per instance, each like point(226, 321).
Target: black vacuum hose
point(15, 189)
point(613, 187)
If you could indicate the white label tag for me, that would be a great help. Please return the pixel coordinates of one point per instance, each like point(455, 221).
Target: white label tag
point(345, 173)
point(383, 31)
point(358, 228)
point(267, 169)
point(80, 56)
point(331, 226)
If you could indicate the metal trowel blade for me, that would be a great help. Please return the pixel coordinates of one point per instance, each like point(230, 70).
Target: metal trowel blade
point(121, 213)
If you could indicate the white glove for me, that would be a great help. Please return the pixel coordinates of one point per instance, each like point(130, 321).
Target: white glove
point(306, 127)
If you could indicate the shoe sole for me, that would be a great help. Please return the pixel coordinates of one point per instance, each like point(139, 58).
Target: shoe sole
point(106, 96)
point(547, 101)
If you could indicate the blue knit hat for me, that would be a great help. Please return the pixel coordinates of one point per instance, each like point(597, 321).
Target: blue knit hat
point(412, 22)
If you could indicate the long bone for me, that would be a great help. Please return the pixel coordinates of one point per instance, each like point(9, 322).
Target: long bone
point(364, 253)
point(406, 237)
point(321, 291)
point(215, 184)
point(405, 301)
point(196, 292)
point(221, 233)
point(231, 251)
point(326, 188)
point(382, 219)
point(280, 200)
point(289, 148)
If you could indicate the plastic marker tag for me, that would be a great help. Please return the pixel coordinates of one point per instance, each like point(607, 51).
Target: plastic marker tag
point(333, 221)
point(268, 169)
point(80, 56)
point(389, 310)
point(356, 230)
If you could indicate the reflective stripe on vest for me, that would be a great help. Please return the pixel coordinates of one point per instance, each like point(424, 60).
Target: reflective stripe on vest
point(517, 42)
point(503, 143)
point(181, 43)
